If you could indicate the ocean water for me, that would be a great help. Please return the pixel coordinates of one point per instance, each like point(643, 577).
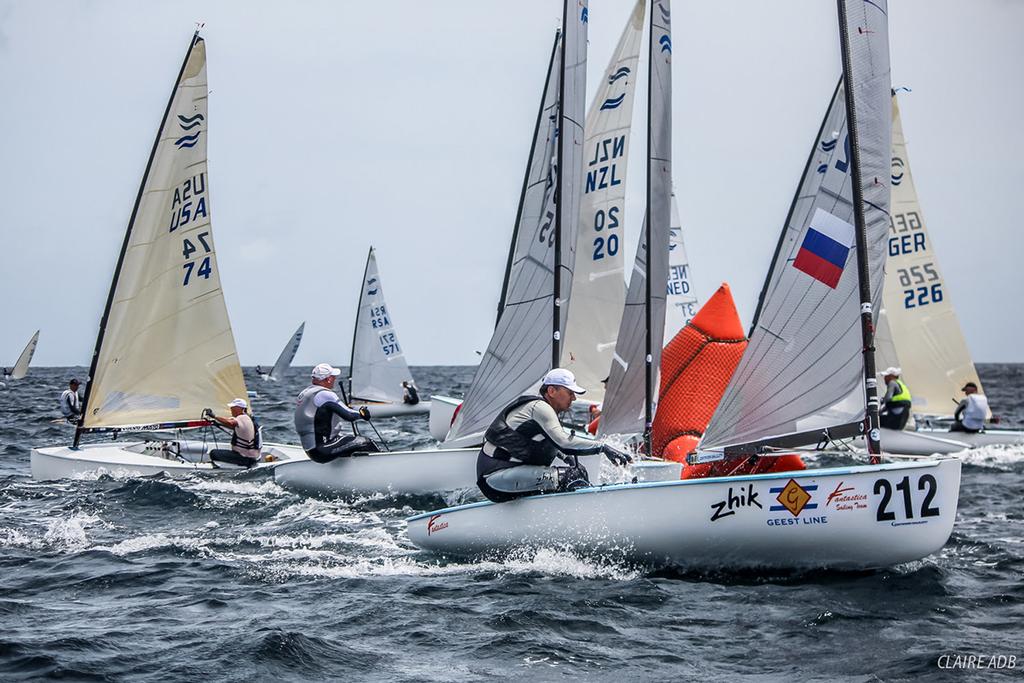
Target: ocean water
point(236, 579)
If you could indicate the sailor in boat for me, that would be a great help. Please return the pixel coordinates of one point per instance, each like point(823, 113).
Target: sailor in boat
point(260, 371)
point(410, 394)
point(70, 403)
point(971, 412)
point(320, 418)
point(245, 436)
point(896, 402)
point(522, 443)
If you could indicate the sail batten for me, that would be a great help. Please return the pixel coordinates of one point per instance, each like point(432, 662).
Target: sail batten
point(165, 349)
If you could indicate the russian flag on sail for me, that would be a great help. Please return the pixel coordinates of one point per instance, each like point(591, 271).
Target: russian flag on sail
point(825, 248)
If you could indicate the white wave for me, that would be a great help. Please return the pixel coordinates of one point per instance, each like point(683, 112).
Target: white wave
point(1003, 457)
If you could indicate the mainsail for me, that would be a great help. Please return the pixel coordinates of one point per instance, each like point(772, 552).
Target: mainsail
point(597, 292)
point(681, 305)
point(926, 337)
point(377, 367)
point(20, 368)
point(165, 350)
point(288, 353)
point(527, 337)
point(803, 370)
point(633, 381)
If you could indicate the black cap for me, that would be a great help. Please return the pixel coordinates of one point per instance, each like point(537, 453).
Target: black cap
point(74, 380)
point(969, 384)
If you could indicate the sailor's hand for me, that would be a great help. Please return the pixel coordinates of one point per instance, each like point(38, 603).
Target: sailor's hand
point(364, 413)
point(208, 413)
point(617, 457)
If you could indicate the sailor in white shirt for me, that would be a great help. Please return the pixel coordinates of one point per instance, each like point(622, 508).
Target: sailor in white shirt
point(70, 404)
point(971, 413)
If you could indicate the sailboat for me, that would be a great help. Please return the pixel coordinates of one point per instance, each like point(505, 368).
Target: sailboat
point(526, 339)
point(20, 367)
point(844, 518)
point(165, 350)
point(591, 315)
point(681, 304)
point(919, 329)
point(284, 360)
point(377, 367)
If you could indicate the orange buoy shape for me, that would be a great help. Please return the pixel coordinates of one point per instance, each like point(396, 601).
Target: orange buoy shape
point(695, 370)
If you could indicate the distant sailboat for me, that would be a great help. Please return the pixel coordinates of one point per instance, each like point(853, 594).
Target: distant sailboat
point(377, 367)
point(918, 329)
point(284, 360)
point(681, 305)
point(165, 350)
point(20, 368)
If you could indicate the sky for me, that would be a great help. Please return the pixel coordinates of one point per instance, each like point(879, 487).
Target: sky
point(406, 125)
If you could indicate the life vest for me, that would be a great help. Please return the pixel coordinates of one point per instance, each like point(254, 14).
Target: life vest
point(305, 411)
point(903, 394)
point(256, 442)
point(526, 444)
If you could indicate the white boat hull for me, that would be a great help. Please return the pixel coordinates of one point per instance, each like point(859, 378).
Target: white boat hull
point(121, 459)
point(429, 472)
point(442, 412)
point(393, 409)
point(926, 441)
point(846, 520)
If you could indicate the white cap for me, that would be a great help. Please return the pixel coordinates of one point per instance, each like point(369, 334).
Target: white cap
point(891, 371)
point(238, 403)
point(323, 371)
point(560, 377)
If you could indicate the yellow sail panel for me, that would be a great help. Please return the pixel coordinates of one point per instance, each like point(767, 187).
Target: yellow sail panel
point(926, 334)
point(167, 350)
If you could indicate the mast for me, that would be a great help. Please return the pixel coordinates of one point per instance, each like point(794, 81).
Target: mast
point(648, 364)
point(789, 216)
point(556, 318)
point(863, 273)
point(127, 237)
point(355, 326)
point(526, 185)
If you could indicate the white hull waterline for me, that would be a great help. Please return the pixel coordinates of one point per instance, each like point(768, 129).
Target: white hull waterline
point(431, 472)
point(924, 441)
point(145, 458)
point(843, 518)
point(378, 409)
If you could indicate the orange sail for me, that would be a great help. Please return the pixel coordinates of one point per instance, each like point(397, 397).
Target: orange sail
point(695, 369)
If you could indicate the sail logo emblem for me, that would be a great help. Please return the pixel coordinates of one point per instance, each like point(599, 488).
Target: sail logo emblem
point(621, 72)
point(666, 44)
point(665, 14)
point(825, 248)
point(828, 145)
point(584, 14)
point(370, 283)
point(613, 102)
point(897, 170)
point(793, 497)
point(187, 123)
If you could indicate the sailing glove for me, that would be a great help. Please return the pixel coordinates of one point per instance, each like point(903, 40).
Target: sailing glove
point(364, 413)
point(617, 457)
point(208, 413)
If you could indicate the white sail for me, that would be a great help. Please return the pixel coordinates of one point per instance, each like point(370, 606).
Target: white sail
point(521, 349)
point(803, 370)
point(165, 349)
point(681, 305)
point(20, 368)
point(378, 365)
point(639, 344)
point(926, 336)
point(597, 292)
point(284, 361)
